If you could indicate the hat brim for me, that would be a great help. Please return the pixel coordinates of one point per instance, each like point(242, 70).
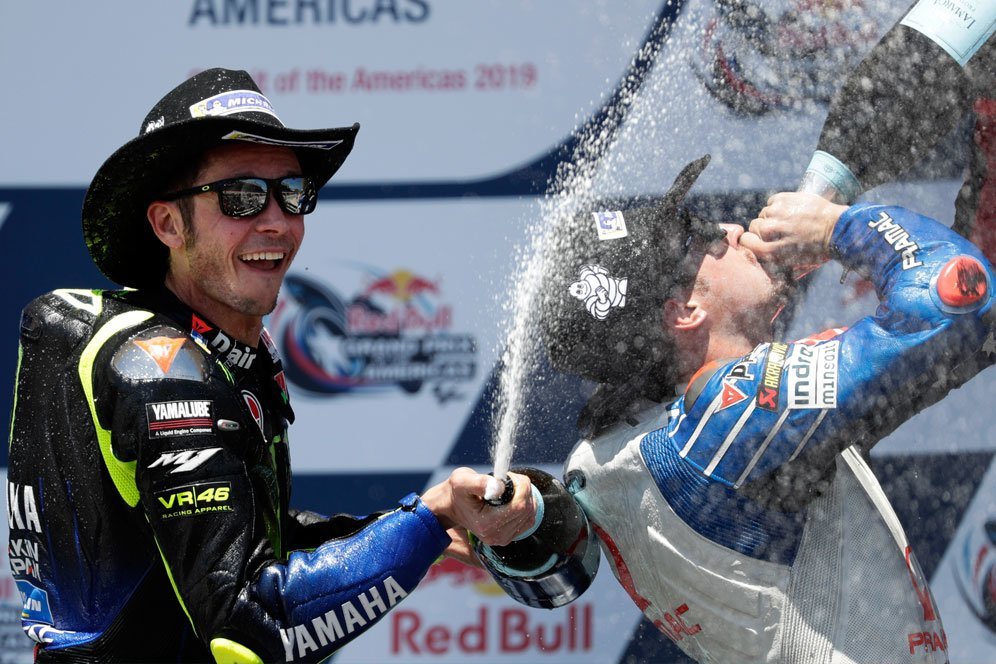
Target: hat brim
point(115, 228)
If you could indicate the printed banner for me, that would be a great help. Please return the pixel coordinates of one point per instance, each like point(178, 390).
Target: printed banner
point(391, 322)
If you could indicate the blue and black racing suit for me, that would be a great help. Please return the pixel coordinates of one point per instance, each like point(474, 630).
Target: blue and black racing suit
point(148, 492)
point(743, 519)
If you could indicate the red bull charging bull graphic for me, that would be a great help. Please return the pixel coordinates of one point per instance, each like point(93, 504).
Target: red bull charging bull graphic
point(394, 332)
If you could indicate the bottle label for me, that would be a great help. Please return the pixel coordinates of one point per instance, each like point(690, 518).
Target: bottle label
point(834, 172)
point(960, 27)
point(540, 511)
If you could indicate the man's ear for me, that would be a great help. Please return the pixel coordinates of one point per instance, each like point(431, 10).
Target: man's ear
point(683, 314)
point(166, 222)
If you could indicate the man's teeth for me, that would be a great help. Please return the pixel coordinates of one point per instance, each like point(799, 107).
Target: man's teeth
point(264, 256)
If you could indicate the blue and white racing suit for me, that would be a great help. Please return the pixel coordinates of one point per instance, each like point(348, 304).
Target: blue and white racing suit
point(742, 518)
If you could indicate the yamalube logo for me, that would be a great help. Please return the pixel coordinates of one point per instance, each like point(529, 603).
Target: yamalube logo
point(179, 418)
point(599, 291)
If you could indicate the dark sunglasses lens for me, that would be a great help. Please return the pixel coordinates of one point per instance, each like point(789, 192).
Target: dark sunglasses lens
point(298, 195)
point(243, 198)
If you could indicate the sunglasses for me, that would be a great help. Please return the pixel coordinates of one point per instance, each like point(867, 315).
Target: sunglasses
point(247, 197)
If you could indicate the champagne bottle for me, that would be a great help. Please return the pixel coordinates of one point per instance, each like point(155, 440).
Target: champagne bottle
point(554, 561)
point(905, 96)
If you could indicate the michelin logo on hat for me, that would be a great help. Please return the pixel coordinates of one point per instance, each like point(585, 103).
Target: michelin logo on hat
point(231, 102)
point(599, 291)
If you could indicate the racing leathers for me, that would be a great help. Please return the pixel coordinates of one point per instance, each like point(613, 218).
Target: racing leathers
point(148, 497)
point(742, 517)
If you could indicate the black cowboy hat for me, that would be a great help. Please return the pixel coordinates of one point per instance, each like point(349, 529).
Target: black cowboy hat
point(605, 284)
point(212, 107)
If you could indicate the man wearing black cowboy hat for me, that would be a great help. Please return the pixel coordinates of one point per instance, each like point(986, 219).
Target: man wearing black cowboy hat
point(722, 470)
point(149, 475)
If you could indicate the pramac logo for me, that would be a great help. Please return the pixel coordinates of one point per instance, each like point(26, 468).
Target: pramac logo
point(395, 331)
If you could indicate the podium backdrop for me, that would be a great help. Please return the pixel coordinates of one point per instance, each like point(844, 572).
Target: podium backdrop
point(391, 320)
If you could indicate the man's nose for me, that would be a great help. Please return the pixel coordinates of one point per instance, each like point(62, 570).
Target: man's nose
point(272, 218)
point(733, 233)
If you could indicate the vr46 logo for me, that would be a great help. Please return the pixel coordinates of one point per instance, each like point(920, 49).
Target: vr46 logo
point(195, 499)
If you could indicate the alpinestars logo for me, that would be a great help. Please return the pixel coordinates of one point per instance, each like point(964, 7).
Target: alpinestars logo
point(185, 460)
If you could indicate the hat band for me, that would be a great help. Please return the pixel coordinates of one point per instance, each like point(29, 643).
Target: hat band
point(231, 103)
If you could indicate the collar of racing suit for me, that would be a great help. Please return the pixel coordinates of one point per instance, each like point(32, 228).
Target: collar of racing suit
point(239, 359)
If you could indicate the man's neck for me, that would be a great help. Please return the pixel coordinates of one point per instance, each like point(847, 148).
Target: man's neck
point(715, 347)
point(236, 325)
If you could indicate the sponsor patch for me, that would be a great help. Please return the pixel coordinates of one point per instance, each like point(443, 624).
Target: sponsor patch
point(732, 395)
point(340, 622)
point(34, 602)
point(599, 291)
point(158, 123)
point(23, 554)
point(770, 386)
point(898, 238)
point(263, 140)
point(255, 409)
point(195, 500)
point(22, 508)
point(186, 460)
point(232, 102)
point(962, 284)
point(610, 224)
point(162, 350)
point(811, 375)
point(198, 325)
point(271, 347)
point(179, 418)
point(744, 369)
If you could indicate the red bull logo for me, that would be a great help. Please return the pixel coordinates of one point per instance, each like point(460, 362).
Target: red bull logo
point(393, 332)
point(515, 631)
point(402, 285)
point(405, 302)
